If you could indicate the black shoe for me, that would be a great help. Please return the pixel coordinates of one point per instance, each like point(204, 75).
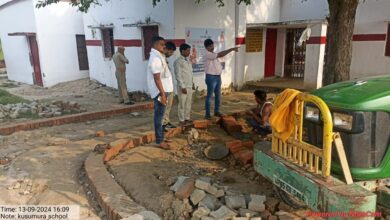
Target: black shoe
point(218, 114)
point(208, 117)
point(165, 129)
point(129, 103)
point(169, 125)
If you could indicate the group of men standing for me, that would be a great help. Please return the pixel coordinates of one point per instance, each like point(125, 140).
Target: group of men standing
point(161, 84)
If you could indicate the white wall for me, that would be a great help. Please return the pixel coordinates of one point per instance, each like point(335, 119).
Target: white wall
point(16, 48)
point(208, 15)
point(57, 26)
point(118, 12)
point(314, 63)
point(292, 10)
point(368, 56)
point(260, 11)
point(263, 11)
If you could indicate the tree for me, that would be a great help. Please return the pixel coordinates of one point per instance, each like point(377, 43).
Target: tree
point(339, 40)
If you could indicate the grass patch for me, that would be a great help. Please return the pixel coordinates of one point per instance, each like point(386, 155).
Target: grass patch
point(1, 52)
point(8, 85)
point(7, 98)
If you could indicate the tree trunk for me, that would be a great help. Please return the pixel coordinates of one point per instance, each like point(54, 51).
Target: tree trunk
point(339, 40)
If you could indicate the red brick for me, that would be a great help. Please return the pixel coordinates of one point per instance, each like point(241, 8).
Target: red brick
point(248, 144)
point(116, 147)
point(244, 156)
point(186, 189)
point(234, 146)
point(148, 138)
point(230, 124)
point(137, 141)
point(201, 124)
point(173, 132)
point(100, 134)
point(129, 145)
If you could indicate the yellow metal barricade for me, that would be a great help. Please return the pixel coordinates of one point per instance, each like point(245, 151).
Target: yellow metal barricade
point(295, 150)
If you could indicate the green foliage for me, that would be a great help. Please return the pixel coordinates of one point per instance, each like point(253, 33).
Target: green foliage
point(84, 5)
point(7, 98)
point(1, 52)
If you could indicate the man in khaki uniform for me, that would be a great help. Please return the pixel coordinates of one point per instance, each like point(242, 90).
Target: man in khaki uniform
point(120, 62)
point(184, 78)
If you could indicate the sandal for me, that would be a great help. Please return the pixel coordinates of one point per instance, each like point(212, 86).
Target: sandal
point(163, 145)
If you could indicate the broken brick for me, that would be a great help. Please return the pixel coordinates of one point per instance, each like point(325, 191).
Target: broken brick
point(244, 156)
point(129, 145)
point(186, 188)
point(234, 146)
point(201, 124)
point(248, 144)
point(148, 138)
point(230, 124)
point(100, 134)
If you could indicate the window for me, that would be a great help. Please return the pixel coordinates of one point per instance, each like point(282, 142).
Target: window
point(82, 52)
point(254, 40)
point(108, 42)
point(387, 50)
point(148, 32)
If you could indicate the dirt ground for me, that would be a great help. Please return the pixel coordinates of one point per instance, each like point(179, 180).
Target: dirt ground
point(90, 94)
point(156, 170)
point(52, 158)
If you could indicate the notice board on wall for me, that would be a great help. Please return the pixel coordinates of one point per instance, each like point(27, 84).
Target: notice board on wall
point(195, 37)
point(254, 40)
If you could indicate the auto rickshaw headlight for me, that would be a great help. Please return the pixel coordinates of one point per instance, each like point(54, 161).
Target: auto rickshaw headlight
point(343, 121)
point(312, 113)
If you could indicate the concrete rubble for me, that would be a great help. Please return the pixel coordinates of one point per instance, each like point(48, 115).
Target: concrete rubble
point(209, 201)
point(39, 109)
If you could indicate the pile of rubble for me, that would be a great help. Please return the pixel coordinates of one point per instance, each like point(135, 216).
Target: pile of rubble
point(42, 110)
point(201, 199)
point(23, 186)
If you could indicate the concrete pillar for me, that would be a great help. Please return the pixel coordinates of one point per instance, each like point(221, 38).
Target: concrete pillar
point(280, 52)
point(240, 29)
point(315, 53)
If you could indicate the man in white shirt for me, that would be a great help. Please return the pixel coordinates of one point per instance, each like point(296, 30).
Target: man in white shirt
point(213, 69)
point(160, 83)
point(170, 49)
point(184, 78)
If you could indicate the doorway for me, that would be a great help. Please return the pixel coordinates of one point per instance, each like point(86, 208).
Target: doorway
point(294, 66)
point(34, 59)
point(82, 52)
point(270, 52)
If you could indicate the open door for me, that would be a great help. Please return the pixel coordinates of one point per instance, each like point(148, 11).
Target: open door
point(34, 59)
point(270, 52)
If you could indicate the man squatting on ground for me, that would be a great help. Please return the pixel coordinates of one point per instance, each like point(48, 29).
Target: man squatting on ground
point(160, 83)
point(213, 69)
point(260, 115)
point(120, 62)
point(184, 78)
point(170, 48)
